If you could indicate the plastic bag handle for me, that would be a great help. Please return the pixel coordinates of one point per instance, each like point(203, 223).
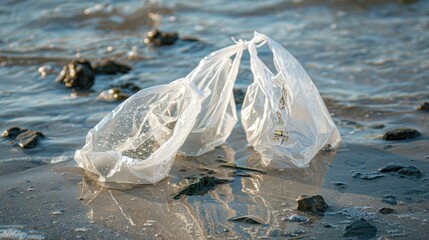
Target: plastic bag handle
point(262, 75)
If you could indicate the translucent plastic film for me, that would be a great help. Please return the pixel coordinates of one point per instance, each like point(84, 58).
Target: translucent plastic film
point(138, 141)
point(283, 114)
point(218, 117)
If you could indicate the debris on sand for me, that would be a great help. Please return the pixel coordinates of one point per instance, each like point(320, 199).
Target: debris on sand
point(234, 166)
point(201, 185)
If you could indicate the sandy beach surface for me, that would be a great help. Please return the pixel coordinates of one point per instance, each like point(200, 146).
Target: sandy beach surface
point(58, 202)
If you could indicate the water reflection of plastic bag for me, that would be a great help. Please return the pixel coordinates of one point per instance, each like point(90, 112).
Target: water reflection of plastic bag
point(218, 116)
point(283, 114)
point(138, 141)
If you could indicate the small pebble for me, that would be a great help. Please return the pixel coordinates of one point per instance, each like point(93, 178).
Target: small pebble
point(315, 204)
point(361, 229)
point(401, 134)
point(385, 210)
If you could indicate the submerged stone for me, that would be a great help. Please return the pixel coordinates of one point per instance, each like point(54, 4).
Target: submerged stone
point(25, 138)
point(29, 138)
point(360, 228)
point(410, 171)
point(108, 66)
point(77, 74)
point(315, 204)
point(111, 95)
point(423, 107)
point(12, 132)
point(401, 134)
point(200, 186)
point(247, 219)
point(159, 38)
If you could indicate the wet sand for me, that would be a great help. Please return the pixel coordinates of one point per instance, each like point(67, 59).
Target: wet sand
point(61, 202)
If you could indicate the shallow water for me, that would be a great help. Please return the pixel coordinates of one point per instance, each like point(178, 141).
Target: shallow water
point(369, 59)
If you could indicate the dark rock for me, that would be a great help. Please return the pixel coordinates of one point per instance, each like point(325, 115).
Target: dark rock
point(12, 132)
point(200, 186)
point(247, 219)
point(158, 38)
point(29, 142)
point(390, 199)
point(401, 134)
point(29, 138)
point(410, 171)
point(391, 167)
point(424, 107)
point(385, 210)
point(77, 74)
point(360, 228)
point(315, 204)
point(110, 67)
point(112, 95)
point(26, 138)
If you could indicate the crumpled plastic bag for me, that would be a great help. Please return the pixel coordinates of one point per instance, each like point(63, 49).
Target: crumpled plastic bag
point(137, 142)
point(283, 114)
point(218, 117)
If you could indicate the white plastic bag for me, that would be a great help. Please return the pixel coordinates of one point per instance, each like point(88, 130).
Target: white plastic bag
point(138, 141)
point(283, 114)
point(218, 117)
